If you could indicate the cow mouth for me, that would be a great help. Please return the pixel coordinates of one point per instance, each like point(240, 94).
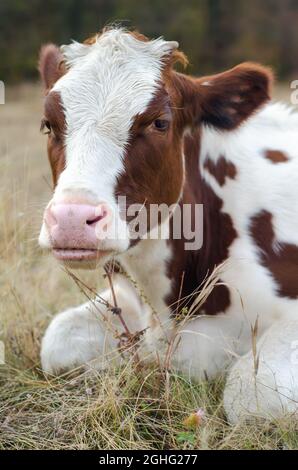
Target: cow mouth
point(79, 254)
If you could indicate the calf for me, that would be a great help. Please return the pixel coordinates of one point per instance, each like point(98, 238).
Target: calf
point(126, 130)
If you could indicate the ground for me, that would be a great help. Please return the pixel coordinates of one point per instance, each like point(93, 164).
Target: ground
point(125, 408)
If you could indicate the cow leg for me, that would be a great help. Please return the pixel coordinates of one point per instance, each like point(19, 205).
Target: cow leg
point(265, 384)
point(80, 337)
point(207, 345)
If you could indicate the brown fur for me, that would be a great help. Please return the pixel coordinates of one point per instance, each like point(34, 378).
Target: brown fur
point(218, 235)
point(221, 170)
point(224, 100)
point(276, 156)
point(51, 66)
point(281, 259)
point(153, 167)
point(54, 114)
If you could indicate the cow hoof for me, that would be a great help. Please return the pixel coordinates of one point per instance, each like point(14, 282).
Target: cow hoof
point(73, 339)
point(268, 387)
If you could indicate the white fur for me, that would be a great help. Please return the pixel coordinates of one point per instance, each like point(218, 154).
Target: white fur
point(259, 185)
point(268, 389)
point(146, 265)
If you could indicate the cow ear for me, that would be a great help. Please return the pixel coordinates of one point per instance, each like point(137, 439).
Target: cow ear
point(228, 98)
point(50, 66)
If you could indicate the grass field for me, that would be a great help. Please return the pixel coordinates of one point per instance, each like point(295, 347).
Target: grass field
point(122, 409)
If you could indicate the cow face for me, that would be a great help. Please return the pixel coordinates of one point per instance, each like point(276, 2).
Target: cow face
point(115, 115)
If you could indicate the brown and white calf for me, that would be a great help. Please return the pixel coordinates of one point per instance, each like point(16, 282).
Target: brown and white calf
point(122, 123)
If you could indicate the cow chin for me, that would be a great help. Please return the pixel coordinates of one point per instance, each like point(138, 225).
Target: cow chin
point(82, 257)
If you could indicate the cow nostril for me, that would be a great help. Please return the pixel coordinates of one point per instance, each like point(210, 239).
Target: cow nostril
point(96, 219)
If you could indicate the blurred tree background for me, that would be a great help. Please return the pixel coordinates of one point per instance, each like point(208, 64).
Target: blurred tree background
point(215, 34)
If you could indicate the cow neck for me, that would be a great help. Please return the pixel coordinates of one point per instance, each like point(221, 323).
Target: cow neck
point(188, 269)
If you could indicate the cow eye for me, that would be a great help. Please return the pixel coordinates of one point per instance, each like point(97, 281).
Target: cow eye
point(161, 124)
point(45, 127)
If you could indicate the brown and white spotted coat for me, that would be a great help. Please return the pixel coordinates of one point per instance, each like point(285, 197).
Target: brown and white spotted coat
point(122, 122)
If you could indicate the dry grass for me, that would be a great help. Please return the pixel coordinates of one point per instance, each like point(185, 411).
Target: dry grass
point(122, 409)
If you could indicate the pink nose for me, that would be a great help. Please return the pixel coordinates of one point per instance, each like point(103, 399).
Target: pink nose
point(76, 226)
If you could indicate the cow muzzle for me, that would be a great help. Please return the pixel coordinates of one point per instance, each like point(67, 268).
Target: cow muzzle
point(78, 232)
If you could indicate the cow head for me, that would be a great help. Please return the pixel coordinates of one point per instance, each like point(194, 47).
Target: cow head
point(115, 115)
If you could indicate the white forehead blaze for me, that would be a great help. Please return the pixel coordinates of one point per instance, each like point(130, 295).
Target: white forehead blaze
point(107, 85)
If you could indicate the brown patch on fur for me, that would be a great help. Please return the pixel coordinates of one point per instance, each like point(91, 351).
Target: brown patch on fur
point(276, 156)
point(55, 115)
point(153, 166)
point(221, 169)
point(218, 301)
point(281, 259)
point(219, 234)
point(159, 107)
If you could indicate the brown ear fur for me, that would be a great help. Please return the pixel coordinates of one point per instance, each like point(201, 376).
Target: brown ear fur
point(224, 100)
point(232, 96)
point(50, 65)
